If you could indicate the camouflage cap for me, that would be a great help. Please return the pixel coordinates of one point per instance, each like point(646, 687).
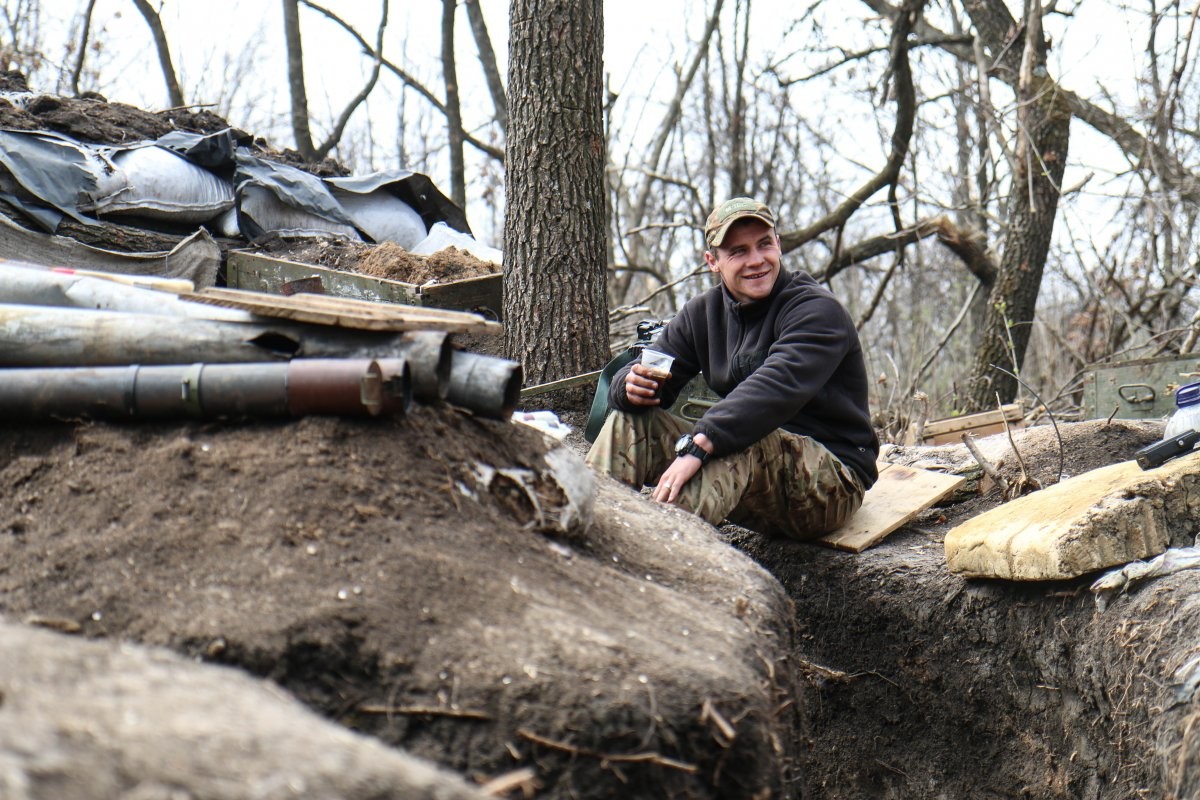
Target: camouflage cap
point(729, 212)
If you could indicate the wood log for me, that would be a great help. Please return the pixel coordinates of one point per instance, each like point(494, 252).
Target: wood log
point(1098, 519)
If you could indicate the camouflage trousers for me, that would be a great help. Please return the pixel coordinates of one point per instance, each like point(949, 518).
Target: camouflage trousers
point(784, 485)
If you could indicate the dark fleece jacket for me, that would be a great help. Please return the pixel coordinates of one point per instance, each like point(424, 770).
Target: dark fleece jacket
point(791, 361)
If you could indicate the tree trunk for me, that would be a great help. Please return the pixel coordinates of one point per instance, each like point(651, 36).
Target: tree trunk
point(458, 180)
point(1044, 120)
point(174, 93)
point(301, 130)
point(555, 310)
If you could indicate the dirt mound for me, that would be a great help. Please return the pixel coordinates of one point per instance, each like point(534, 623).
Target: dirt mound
point(385, 260)
point(94, 119)
point(369, 568)
point(86, 720)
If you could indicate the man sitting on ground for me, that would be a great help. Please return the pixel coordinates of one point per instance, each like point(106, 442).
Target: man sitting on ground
point(789, 449)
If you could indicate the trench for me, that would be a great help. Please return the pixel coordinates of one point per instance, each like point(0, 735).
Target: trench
point(919, 683)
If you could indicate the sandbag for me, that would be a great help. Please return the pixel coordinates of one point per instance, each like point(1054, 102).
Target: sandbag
point(383, 216)
point(266, 213)
point(162, 185)
point(442, 236)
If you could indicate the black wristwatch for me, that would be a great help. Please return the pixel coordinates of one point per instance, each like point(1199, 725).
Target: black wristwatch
point(686, 446)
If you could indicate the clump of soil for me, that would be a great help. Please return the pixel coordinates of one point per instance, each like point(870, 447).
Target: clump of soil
point(390, 260)
point(386, 260)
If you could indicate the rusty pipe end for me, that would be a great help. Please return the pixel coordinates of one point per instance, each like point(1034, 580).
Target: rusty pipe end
point(338, 386)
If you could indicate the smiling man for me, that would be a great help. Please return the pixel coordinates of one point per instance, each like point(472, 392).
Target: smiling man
point(789, 449)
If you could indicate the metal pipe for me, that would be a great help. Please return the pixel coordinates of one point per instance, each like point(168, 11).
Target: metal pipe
point(34, 285)
point(67, 337)
point(329, 386)
point(304, 386)
point(486, 385)
point(397, 385)
point(429, 355)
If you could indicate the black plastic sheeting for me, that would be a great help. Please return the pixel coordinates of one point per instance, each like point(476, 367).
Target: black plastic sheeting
point(56, 171)
point(52, 169)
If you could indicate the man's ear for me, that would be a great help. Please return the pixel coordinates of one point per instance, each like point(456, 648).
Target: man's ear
point(711, 260)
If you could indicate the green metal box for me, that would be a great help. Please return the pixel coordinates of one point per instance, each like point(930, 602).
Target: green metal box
point(1139, 389)
point(482, 295)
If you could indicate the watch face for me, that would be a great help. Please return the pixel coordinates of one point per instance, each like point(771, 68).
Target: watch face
point(683, 443)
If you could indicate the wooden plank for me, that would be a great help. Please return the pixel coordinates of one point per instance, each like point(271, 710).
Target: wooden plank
point(345, 312)
point(1098, 519)
point(1011, 413)
point(483, 294)
point(899, 495)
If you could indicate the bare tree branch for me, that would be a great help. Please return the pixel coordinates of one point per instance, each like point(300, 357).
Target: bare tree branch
point(1132, 142)
point(174, 94)
point(901, 135)
point(487, 60)
point(339, 127)
point(410, 81)
point(84, 35)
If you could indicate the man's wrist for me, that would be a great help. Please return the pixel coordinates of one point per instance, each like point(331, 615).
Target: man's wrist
point(688, 446)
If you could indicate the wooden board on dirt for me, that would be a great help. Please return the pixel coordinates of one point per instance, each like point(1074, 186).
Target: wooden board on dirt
point(1101, 518)
point(346, 313)
point(950, 430)
point(899, 495)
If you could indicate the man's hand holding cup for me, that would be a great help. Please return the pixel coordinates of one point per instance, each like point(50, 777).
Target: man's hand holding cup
point(645, 379)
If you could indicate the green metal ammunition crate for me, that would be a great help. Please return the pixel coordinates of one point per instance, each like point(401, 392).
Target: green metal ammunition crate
point(1139, 389)
point(482, 295)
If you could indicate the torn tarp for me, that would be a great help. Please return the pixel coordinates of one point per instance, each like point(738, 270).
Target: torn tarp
point(415, 189)
point(305, 204)
point(53, 169)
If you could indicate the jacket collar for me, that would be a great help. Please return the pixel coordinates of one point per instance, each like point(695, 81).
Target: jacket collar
point(758, 307)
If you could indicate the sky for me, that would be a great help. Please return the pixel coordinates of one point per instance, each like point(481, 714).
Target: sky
point(222, 44)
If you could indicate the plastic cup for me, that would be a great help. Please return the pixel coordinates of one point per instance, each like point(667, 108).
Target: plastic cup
point(657, 364)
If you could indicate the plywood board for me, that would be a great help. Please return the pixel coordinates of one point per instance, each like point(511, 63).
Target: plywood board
point(899, 495)
point(347, 313)
point(1101, 518)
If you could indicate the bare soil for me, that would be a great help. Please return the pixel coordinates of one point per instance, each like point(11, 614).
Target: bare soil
point(386, 260)
point(364, 566)
point(920, 683)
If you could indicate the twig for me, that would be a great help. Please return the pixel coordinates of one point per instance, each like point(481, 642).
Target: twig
point(425, 711)
point(709, 713)
point(1026, 483)
point(1058, 434)
point(616, 758)
point(985, 465)
point(524, 779)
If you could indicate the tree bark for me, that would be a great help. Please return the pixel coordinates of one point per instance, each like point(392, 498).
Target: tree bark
point(555, 309)
point(1043, 123)
point(174, 93)
point(458, 180)
point(301, 130)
